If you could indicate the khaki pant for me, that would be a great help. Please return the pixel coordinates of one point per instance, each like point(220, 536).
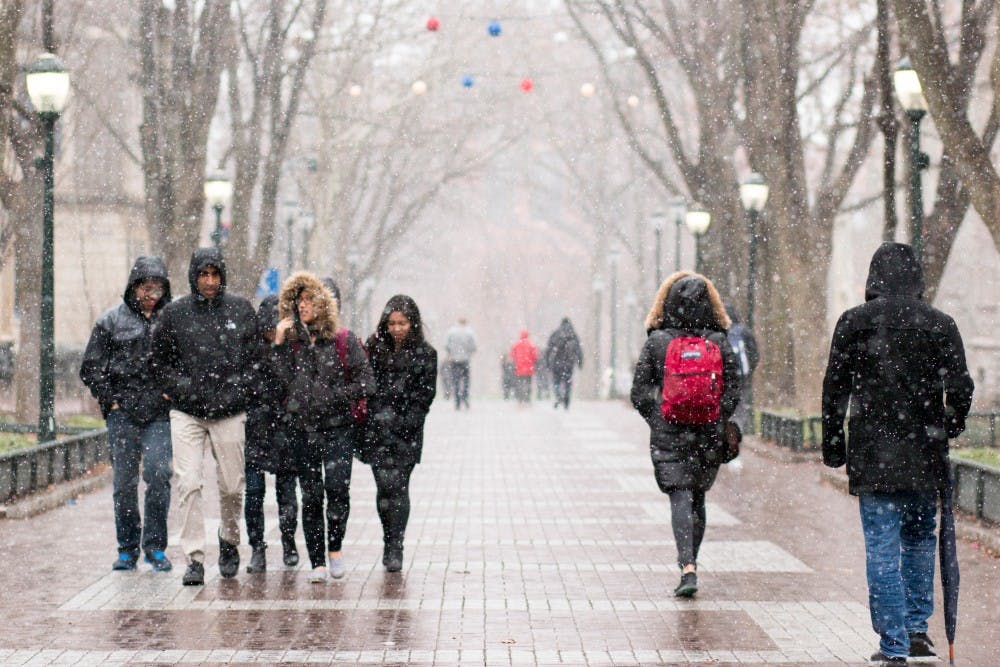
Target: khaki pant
point(225, 437)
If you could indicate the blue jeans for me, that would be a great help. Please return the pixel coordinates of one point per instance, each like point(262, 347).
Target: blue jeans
point(131, 443)
point(899, 558)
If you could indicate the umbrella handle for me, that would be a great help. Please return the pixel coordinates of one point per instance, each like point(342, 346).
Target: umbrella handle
point(951, 655)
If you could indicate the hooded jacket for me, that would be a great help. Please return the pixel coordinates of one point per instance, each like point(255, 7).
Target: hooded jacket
point(115, 363)
point(900, 365)
point(563, 351)
point(524, 353)
point(685, 456)
point(204, 350)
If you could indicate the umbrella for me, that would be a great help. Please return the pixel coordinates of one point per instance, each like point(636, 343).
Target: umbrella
point(949, 568)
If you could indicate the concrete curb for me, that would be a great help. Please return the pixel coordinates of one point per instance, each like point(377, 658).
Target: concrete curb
point(967, 527)
point(56, 495)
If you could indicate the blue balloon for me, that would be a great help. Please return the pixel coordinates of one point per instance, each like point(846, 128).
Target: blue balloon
point(495, 28)
point(467, 81)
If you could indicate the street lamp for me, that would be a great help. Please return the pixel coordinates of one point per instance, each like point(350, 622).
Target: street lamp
point(598, 288)
point(47, 82)
point(697, 219)
point(218, 190)
point(753, 194)
point(657, 220)
point(613, 256)
point(911, 97)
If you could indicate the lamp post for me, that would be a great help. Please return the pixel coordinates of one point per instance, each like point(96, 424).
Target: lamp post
point(47, 82)
point(218, 190)
point(306, 223)
point(911, 97)
point(753, 195)
point(613, 302)
point(697, 219)
point(657, 221)
point(680, 210)
point(598, 287)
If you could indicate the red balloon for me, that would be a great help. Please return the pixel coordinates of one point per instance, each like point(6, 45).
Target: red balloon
point(527, 84)
point(433, 24)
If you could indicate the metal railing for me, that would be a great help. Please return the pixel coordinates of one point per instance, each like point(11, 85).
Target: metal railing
point(28, 469)
point(977, 489)
point(791, 431)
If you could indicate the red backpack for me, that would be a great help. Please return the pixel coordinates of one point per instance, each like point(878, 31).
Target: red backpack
point(692, 381)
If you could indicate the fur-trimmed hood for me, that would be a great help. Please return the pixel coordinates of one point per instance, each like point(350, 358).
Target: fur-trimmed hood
point(326, 323)
point(687, 300)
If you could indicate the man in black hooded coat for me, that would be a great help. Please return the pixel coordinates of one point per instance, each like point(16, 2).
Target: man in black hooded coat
point(115, 368)
point(900, 365)
point(205, 347)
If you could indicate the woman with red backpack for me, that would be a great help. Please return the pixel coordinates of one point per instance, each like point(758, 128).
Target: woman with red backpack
point(686, 386)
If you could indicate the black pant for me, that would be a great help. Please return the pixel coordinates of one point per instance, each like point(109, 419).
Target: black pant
point(563, 387)
point(332, 478)
point(253, 507)
point(460, 382)
point(687, 517)
point(393, 501)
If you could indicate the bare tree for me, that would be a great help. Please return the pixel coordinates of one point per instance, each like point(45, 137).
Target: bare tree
point(10, 20)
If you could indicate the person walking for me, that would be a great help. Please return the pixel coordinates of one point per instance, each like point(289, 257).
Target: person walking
point(115, 369)
point(460, 347)
point(405, 367)
point(204, 348)
point(268, 449)
point(744, 344)
point(677, 390)
point(900, 365)
point(524, 354)
point(563, 354)
point(321, 383)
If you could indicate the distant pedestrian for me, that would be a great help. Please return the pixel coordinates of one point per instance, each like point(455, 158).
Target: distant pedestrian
point(564, 355)
point(322, 383)
point(205, 345)
point(405, 368)
point(686, 387)
point(508, 378)
point(268, 449)
point(524, 354)
point(115, 368)
point(900, 365)
point(543, 377)
point(460, 347)
point(744, 344)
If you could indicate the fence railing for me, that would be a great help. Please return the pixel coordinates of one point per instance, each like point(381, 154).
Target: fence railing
point(29, 469)
point(791, 431)
point(977, 489)
point(980, 430)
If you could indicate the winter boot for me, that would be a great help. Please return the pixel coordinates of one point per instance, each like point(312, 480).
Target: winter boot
point(291, 554)
point(258, 561)
point(688, 586)
point(195, 575)
point(229, 559)
point(392, 557)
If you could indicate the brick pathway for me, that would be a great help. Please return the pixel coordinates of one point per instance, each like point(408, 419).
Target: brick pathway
point(537, 538)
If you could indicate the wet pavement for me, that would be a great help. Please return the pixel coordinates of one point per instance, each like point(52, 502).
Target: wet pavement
point(537, 537)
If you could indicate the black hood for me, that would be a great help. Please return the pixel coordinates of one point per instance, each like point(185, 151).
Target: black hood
point(566, 327)
point(201, 258)
point(894, 271)
point(147, 268)
point(267, 314)
point(689, 306)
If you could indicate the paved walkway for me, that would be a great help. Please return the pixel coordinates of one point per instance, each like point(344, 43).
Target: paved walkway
point(537, 538)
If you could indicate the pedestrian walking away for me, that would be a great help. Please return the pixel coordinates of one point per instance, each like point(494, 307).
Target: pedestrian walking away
point(405, 367)
point(563, 354)
point(524, 354)
point(686, 386)
point(900, 365)
point(322, 384)
point(744, 344)
point(116, 370)
point(268, 449)
point(460, 347)
point(204, 349)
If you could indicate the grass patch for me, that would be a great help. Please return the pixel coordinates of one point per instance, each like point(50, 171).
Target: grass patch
point(81, 421)
point(986, 455)
point(12, 441)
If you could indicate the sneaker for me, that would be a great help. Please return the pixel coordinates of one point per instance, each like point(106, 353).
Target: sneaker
point(688, 586)
point(337, 568)
point(229, 559)
point(290, 553)
point(392, 558)
point(318, 575)
point(258, 561)
point(195, 575)
point(879, 658)
point(125, 562)
point(921, 646)
point(159, 561)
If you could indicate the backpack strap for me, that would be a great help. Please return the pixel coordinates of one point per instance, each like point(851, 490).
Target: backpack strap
point(341, 342)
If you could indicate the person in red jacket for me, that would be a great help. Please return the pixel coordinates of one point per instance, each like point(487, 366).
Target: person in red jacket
point(524, 354)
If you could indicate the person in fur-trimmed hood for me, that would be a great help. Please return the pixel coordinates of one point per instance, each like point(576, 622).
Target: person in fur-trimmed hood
point(685, 457)
point(323, 373)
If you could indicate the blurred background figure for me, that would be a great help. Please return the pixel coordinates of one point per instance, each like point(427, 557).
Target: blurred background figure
point(563, 354)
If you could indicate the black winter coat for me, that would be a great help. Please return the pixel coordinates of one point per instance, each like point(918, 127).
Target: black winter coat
point(204, 350)
point(900, 364)
point(115, 363)
point(685, 456)
point(563, 353)
point(405, 385)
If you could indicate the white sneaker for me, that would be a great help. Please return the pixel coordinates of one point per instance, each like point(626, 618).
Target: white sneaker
point(318, 575)
point(337, 568)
